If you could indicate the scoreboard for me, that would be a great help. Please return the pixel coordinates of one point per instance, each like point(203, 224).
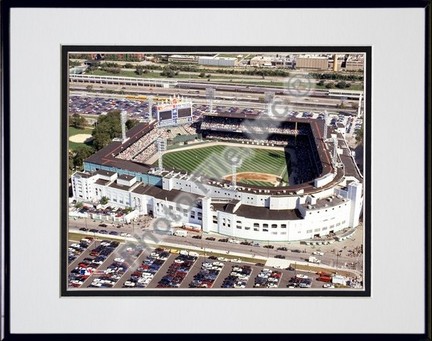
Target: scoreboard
point(173, 113)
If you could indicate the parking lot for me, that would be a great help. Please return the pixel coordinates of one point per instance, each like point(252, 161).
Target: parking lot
point(146, 271)
point(81, 270)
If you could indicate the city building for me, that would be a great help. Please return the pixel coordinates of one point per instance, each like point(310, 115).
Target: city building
point(217, 61)
point(312, 62)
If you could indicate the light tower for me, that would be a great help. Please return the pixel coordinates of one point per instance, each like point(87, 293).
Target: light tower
point(235, 163)
point(123, 118)
point(161, 147)
point(210, 95)
point(268, 98)
point(150, 108)
point(325, 125)
point(335, 145)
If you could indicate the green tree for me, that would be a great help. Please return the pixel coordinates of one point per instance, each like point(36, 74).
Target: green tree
point(81, 153)
point(101, 140)
point(341, 85)
point(201, 75)
point(78, 121)
point(330, 85)
point(108, 127)
point(139, 70)
point(104, 200)
point(321, 83)
point(70, 159)
point(168, 71)
point(130, 123)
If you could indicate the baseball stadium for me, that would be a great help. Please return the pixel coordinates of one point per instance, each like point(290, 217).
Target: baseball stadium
point(238, 172)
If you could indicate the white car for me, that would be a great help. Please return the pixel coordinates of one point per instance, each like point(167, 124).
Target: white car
point(301, 276)
point(129, 284)
point(328, 285)
point(119, 260)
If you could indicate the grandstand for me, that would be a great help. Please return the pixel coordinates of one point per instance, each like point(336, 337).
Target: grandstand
point(320, 193)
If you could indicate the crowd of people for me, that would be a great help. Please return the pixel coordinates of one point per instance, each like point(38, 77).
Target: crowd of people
point(239, 137)
point(253, 126)
point(146, 154)
point(142, 145)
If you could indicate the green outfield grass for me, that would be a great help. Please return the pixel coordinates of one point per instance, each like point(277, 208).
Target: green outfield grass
point(211, 161)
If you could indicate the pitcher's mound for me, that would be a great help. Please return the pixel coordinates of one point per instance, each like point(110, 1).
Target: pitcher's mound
point(80, 138)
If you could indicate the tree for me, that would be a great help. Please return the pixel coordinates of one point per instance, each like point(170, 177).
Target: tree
point(108, 127)
point(201, 75)
point(168, 72)
point(341, 85)
point(321, 83)
point(78, 121)
point(104, 200)
point(79, 205)
point(81, 153)
point(330, 85)
point(139, 70)
point(101, 140)
point(130, 123)
point(70, 159)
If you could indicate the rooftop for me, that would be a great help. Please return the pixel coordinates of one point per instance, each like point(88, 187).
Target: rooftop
point(255, 212)
point(125, 177)
point(163, 194)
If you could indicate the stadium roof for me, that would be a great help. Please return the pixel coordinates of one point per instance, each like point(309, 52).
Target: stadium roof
point(162, 193)
point(255, 212)
point(106, 156)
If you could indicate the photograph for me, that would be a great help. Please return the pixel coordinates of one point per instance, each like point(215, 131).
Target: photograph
point(260, 167)
point(220, 171)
